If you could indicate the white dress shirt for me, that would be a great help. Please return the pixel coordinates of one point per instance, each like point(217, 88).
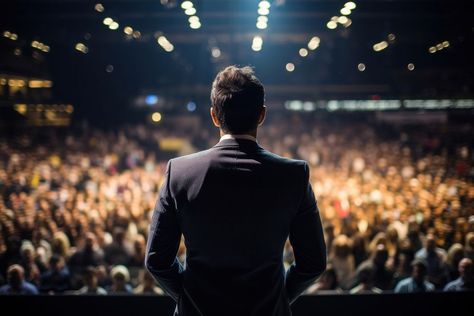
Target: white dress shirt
point(241, 136)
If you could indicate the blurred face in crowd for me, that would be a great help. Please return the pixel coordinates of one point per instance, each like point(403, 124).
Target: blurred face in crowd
point(381, 256)
point(465, 269)
point(90, 241)
point(430, 243)
point(15, 275)
point(418, 272)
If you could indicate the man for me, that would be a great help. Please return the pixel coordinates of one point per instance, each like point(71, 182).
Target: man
point(16, 282)
point(465, 282)
point(417, 282)
point(236, 204)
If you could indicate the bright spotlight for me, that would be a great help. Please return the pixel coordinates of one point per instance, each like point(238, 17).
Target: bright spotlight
point(411, 66)
point(345, 11)
point(128, 30)
point(290, 67)
point(261, 25)
point(114, 26)
point(303, 52)
point(380, 46)
point(216, 52)
point(262, 19)
point(257, 41)
point(191, 106)
point(263, 11)
point(151, 99)
point(99, 7)
point(108, 21)
point(342, 19)
point(445, 44)
point(331, 25)
point(361, 67)
point(350, 5)
point(186, 5)
point(314, 43)
point(195, 25)
point(264, 4)
point(156, 116)
point(190, 11)
point(432, 49)
point(193, 19)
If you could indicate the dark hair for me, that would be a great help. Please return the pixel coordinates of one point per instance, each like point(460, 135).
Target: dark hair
point(237, 97)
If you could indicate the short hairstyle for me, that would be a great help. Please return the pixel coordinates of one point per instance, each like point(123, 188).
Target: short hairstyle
point(237, 97)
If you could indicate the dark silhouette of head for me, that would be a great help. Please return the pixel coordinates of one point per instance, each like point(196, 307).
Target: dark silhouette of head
point(15, 276)
point(237, 99)
point(418, 270)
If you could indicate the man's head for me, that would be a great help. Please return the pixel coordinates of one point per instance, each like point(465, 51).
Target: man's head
point(237, 99)
point(16, 276)
point(418, 271)
point(465, 269)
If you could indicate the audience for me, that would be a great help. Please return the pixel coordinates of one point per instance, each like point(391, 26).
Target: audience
point(75, 205)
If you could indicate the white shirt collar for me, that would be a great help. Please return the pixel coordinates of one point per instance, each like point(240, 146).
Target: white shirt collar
point(241, 136)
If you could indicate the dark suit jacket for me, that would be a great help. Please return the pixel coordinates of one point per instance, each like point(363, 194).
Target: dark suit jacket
point(235, 204)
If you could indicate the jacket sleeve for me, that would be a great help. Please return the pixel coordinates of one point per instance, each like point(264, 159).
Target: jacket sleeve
point(309, 247)
point(163, 242)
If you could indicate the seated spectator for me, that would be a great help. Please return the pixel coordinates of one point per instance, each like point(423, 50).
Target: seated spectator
point(91, 285)
point(57, 278)
point(455, 255)
point(147, 284)
point(342, 260)
point(465, 282)
point(417, 282)
point(366, 282)
point(16, 282)
point(469, 245)
point(120, 278)
point(435, 259)
point(327, 283)
point(90, 255)
point(116, 252)
point(381, 276)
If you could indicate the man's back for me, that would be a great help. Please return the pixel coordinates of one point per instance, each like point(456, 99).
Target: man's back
point(236, 204)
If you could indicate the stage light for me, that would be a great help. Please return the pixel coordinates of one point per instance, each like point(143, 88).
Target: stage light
point(128, 30)
point(99, 7)
point(7, 34)
point(108, 21)
point(432, 49)
point(411, 66)
point(264, 4)
point(81, 48)
point(136, 34)
point(14, 37)
point(342, 19)
point(380, 46)
point(195, 25)
point(262, 19)
point(114, 26)
point(17, 52)
point(186, 5)
point(263, 11)
point(439, 46)
point(350, 5)
point(193, 19)
point(391, 37)
point(190, 11)
point(331, 25)
point(314, 43)
point(151, 99)
point(303, 52)
point(261, 25)
point(345, 11)
point(109, 68)
point(156, 117)
point(361, 67)
point(445, 44)
point(257, 43)
point(191, 106)
point(348, 23)
point(216, 52)
point(290, 67)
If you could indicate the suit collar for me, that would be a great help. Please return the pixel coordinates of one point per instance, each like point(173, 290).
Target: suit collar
point(237, 142)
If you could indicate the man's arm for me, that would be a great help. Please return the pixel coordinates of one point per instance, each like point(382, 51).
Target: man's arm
point(309, 247)
point(163, 242)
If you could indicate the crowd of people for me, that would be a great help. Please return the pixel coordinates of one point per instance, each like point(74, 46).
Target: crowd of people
point(397, 205)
